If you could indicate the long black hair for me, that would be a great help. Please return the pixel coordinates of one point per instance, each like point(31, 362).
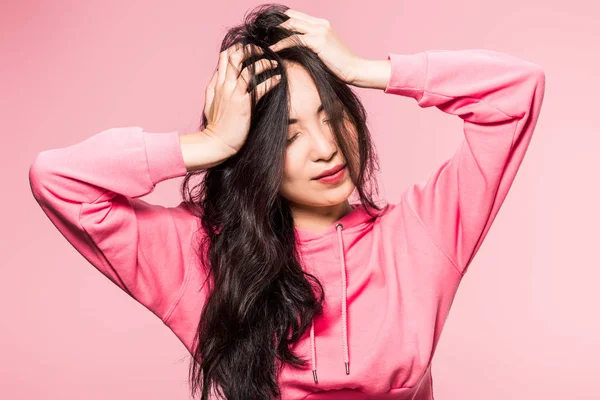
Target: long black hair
point(261, 300)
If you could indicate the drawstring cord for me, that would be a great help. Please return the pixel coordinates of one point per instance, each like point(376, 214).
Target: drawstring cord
point(339, 227)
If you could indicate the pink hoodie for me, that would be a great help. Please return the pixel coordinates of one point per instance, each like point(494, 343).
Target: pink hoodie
point(389, 281)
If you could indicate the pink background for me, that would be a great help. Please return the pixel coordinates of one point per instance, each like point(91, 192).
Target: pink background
point(524, 324)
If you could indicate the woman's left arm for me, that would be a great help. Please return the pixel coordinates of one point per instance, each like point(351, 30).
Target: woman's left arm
point(499, 98)
point(372, 74)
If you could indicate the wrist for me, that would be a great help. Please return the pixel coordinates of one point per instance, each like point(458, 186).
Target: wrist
point(203, 150)
point(374, 74)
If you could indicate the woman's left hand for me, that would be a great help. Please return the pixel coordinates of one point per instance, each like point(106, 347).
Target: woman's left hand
point(318, 35)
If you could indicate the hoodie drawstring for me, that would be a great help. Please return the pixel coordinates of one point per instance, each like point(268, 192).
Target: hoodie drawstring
point(344, 313)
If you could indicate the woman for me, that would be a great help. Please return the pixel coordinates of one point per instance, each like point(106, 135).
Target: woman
point(278, 286)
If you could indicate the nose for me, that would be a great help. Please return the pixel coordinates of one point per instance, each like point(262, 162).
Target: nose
point(324, 144)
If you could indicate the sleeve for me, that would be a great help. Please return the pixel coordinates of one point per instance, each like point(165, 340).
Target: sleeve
point(499, 98)
point(90, 193)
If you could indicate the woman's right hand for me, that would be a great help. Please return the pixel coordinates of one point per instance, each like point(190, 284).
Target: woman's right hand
point(228, 103)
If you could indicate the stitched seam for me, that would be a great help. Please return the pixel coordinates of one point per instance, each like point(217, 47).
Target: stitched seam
point(424, 89)
point(455, 264)
point(426, 71)
point(147, 161)
point(97, 248)
point(184, 284)
point(186, 273)
point(179, 296)
point(453, 97)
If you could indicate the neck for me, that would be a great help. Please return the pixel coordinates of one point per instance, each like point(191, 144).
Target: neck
point(318, 218)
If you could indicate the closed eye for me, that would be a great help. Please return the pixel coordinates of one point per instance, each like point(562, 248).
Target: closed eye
point(290, 140)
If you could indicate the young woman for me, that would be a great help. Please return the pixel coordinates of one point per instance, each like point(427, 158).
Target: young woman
point(279, 286)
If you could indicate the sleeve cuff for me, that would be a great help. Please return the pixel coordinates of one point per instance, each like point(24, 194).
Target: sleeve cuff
point(408, 74)
point(163, 152)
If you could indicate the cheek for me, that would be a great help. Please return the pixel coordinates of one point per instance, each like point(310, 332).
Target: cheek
point(294, 170)
point(294, 180)
point(292, 176)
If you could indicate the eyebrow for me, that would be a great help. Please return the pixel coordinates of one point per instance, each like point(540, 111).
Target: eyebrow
point(294, 120)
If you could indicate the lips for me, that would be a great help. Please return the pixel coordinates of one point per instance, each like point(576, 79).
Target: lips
point(330, 171)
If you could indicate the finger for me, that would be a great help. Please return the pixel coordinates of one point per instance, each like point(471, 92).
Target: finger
point(290, 41)
point(209, 93)
point(297, 25)
point(232, 55)
point(262, 88)
point(222, 67)
point(259, 66)
point(236, 58)
point(300, 15)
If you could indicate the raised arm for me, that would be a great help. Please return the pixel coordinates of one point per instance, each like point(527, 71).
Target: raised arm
point(499, 98)
point(90, 192)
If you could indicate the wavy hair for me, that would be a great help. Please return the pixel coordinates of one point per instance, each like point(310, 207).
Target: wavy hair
point(261, 300)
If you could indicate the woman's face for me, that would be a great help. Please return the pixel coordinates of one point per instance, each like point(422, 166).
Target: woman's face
point(311, 147)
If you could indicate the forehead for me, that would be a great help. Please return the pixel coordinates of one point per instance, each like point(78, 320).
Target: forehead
point(304, 97)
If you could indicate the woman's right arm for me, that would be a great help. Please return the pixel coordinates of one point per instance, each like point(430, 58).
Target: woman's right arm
point(90, 192)
point(203, 149)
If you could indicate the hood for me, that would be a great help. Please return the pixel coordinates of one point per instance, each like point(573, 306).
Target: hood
point(350, 222)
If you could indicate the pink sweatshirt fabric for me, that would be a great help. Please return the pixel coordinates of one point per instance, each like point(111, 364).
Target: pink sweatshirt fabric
point(389, 280)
